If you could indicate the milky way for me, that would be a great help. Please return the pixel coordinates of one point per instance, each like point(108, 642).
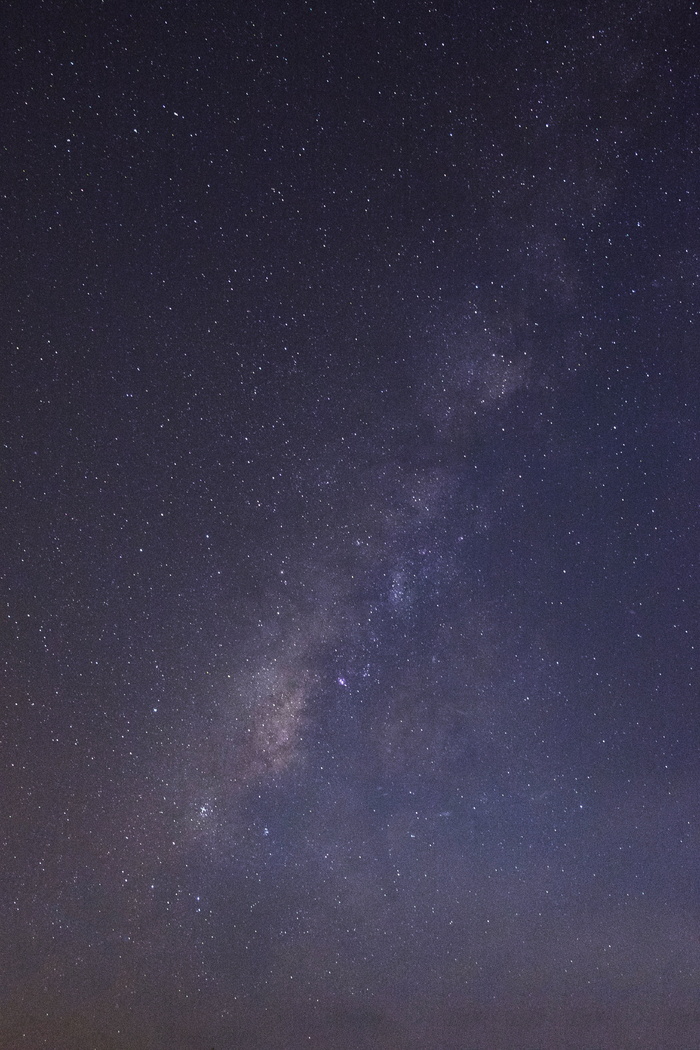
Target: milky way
point(350, 527)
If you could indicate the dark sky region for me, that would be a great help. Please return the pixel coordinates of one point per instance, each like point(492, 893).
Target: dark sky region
point(349, 544)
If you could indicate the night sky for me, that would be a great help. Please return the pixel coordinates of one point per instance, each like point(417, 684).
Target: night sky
point(349, 533)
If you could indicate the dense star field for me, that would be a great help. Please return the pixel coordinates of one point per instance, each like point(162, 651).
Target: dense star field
point(350, 525)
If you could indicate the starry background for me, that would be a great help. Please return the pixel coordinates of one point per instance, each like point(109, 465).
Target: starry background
point(349, 532)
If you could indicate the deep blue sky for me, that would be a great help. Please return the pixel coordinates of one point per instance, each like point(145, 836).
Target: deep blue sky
point(350, 526)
